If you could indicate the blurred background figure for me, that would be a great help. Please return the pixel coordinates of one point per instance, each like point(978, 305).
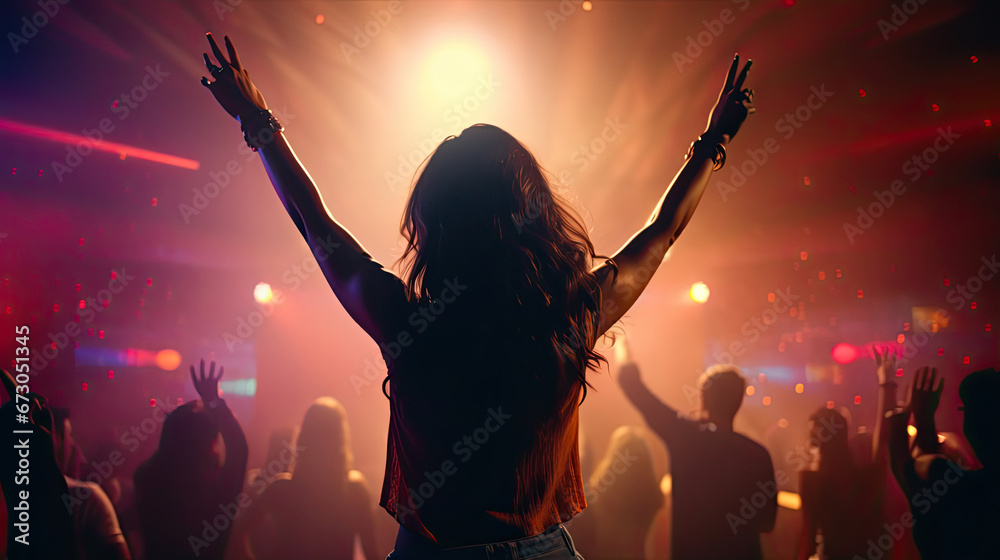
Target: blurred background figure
point(189, 492)
point(319, 508)
point(842, 496)
point(715, 471)
point(623, 498)
point(95, 520)
point(280, 448)
point(954, 509)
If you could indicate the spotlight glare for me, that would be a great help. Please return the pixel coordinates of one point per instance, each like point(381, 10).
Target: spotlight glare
point(262, 292)
point(168, 360)
point(844, 353)
point(699, 292)
point(456, 68)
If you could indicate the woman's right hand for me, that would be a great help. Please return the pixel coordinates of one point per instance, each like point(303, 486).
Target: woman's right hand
point(734, 105)
point(232, 87)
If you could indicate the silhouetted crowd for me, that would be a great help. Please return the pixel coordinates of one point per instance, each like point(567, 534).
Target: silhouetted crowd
point(860, 495)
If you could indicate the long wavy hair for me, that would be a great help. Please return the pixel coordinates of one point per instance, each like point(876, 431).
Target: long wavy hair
point(482, 209)
point(186, 444)
point(325, 443)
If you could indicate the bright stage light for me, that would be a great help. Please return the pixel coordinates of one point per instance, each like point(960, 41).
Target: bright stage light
point(262, 292)
point(75, 141)
point(168, 360)
point(455, 68)
point(844, 353)
point(789, 500)
point(699, 292)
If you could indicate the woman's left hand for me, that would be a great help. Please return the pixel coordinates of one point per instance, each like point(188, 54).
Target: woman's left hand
point(232, 87)
point(734, 105)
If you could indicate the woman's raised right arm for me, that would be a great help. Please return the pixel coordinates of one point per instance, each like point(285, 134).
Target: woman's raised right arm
point(374, 297)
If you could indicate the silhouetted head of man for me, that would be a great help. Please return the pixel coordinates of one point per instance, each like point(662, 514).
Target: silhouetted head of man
point(722, 388)
point(980, 392)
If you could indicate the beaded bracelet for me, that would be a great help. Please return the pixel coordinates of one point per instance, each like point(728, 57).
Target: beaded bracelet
point(703, 143)
point(264, 127)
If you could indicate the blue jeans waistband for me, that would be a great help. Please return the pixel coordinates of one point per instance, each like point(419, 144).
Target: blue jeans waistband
point(554, 538)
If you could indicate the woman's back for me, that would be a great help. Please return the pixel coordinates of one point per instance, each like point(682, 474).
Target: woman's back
point(483, 434)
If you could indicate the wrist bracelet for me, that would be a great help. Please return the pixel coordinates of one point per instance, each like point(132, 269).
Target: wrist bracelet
point(703, 143)
point(259, 128)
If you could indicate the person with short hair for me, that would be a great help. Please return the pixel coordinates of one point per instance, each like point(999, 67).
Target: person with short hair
point(724, 493)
